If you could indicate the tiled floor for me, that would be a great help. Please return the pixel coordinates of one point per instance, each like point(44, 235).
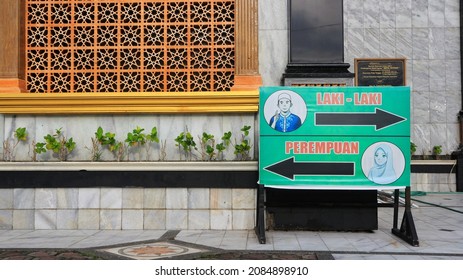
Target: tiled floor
point(438, 218)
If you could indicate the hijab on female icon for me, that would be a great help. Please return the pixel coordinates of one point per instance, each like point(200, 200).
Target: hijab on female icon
point(382, 171)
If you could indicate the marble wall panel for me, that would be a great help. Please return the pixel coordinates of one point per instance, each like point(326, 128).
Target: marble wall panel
point(6, 219)
point(420, 80)
point(154, 198)
point(23, 198)
point(243, 199)
point(45, 219)
point(438, 107)
point(198, 198)
point(110, 219)
point(111, 198)
point(132, 198)
point(176, 198)
point(23, 219)
point(176, 219)
point(403, 17)
point(421, 137)
point(437, 43)
point(387, 37)
point(452, 13)
point(67, 219)
point(420, 14)
point(273, 55)
point(354, 10)
point(154, 219)
point(89, 198)
point(221, 220)
point(371, 14)
point(88, 218)
point(437, 79)
point(198, 219)
point(420, 43)
point(453, 138)
point(437, 13)
point(243, 219)
point(220, 198)
point(388, 14)
point(452, 43)
point(453, 75)
point(132, 219)
point(273, 14)
point(421, 105)
point(438, 136)
point(403, 42)
point(372, 41)
point(6, 198)
point(45, 198)
point(67, 198)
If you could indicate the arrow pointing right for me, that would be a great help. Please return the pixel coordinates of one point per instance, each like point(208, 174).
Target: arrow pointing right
point(380, 119)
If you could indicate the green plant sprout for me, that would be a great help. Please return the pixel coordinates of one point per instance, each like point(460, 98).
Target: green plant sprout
point(243, 148)
point(186, 142)
point(207, 146)
point(137, 139)
point(413, 147)
point(108, 140)
point(221, 147)
point(20, 134)
point(437, 150)
point(58, 144)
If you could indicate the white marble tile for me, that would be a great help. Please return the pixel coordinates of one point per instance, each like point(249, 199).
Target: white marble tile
point(88, 219)
point(176, 198)
point(6, 198)
point(45, 198)
point(355, 13)
point(45, 219)
point(452, 74)
point(89, 198)
point(110, 219)
point(436, 75)
point(371, 14)
point(198, 198)
point(132, 198)
point(67, 219)
point(452, 13)
point(438, 43)
point(154, 219)
point(421, 75)
point(403, 14)
point(132, 219)
point(220, 198)
point(403, 42)
point(67, 198)
point(420, 13)
point(24, 198)
point(221, 219)
point(388, 14)
point(176, 219)
point(23, 219)
point(6, 219)
point(111, 198)
point(354, 42)
point(243, 198)
point(272, 14)
point(243, 219)
point(438, 106)
point(372, 42)
point(198, 219)
point(154, 198)
point(273, 56)
point(452, 41)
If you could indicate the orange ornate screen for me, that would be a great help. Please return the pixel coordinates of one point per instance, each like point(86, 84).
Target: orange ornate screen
point(130, 45)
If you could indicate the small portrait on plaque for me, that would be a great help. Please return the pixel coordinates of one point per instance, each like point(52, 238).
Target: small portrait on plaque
point(285, 110)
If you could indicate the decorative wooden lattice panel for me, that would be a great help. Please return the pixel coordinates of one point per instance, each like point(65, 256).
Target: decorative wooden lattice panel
point(130, 45)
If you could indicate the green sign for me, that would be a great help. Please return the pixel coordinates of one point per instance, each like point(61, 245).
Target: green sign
point(335, 137)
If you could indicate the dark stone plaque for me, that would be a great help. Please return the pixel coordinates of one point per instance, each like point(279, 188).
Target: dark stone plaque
point(380, 72)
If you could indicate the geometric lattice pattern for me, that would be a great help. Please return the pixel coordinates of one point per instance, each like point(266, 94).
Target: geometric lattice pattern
point(130, 45)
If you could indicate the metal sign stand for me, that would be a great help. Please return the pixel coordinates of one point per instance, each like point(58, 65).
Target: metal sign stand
point(407, 231)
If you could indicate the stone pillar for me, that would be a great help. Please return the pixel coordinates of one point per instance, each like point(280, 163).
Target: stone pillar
point(246, 46)
point(11, 47)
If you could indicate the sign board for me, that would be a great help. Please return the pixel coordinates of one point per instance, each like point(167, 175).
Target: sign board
point(380, 72)
point(334, 137)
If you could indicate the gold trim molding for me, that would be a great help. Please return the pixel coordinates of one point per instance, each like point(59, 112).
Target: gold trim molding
point(130, 103)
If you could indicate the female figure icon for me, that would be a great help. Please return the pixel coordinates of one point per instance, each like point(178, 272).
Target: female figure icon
point(382, 171)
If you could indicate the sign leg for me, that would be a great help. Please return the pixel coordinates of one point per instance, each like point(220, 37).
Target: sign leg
point(407, 229)
point(260, 208)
